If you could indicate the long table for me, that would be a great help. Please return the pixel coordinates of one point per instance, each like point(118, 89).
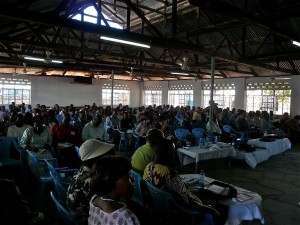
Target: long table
point(263, 150)
point(238, 211)
point(195, 154)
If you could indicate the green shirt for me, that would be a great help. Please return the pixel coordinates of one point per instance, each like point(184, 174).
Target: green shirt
point(142, 157)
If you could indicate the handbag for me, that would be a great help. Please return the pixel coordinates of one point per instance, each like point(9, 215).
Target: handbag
point(246, 148)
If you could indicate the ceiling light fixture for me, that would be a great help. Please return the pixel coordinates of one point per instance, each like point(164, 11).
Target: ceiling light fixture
point(24, 69)
point(296, 43)
point(48, 60)
point(42, 60)
point(124, 42)
point(176, 73)
point(185, 64)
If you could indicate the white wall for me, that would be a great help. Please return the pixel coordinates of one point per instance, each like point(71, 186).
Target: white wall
point(63, 91)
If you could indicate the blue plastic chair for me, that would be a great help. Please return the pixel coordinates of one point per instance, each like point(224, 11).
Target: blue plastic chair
point(123, 144)
point(137, 139)
point(137, 195)
point(41, 173)
point(64, 215)
point(182, 134)
point(8, 144)
point(199, 133)
point(164, 204)
point(59, 188)
point(77, 149)
point(62, 174)
point(242, 137)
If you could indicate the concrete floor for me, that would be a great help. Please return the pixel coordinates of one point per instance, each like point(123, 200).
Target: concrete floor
point(276, 180)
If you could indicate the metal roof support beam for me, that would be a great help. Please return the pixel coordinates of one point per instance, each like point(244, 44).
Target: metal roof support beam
point(140, 14)
point(174, 16)
point(225, 8)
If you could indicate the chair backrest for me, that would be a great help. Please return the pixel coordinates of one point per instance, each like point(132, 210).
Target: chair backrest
point(227, 129)
point(123, 145)
point(137, 138)
point(164, 203)
point(78, 151)
point(59, 188)
point(182, 133)
point(64, 215)
point(40, 167)
point(6, 146)
point(137, 195)
point(62, 174)
point(242, 136)
point(199, 133)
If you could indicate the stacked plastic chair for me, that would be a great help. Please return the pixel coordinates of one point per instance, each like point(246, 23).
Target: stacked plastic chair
point(41, 173)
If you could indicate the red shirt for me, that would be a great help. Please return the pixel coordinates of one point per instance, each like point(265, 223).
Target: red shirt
point(64, 133)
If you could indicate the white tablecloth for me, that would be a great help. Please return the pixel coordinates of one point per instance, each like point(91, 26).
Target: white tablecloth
point(253, 158)
point(273, 147)
point(263, 151)
point(195, 154)
point(238, 211)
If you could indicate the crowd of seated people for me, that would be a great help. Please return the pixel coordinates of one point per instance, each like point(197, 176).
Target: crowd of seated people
point(104, 123)
point(41, 129)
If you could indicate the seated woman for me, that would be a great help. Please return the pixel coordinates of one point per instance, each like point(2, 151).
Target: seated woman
point(37, 140)
point(79, 191)
point(145, 154)
point(162, 174)
point(143, 127)
point(111, 181)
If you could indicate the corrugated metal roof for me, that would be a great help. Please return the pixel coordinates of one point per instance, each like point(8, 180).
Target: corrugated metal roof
point(248, 38)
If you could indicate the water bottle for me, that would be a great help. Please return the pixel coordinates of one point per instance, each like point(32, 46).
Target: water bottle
point(201, 178)
point(201, 142)
point(216, 139)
